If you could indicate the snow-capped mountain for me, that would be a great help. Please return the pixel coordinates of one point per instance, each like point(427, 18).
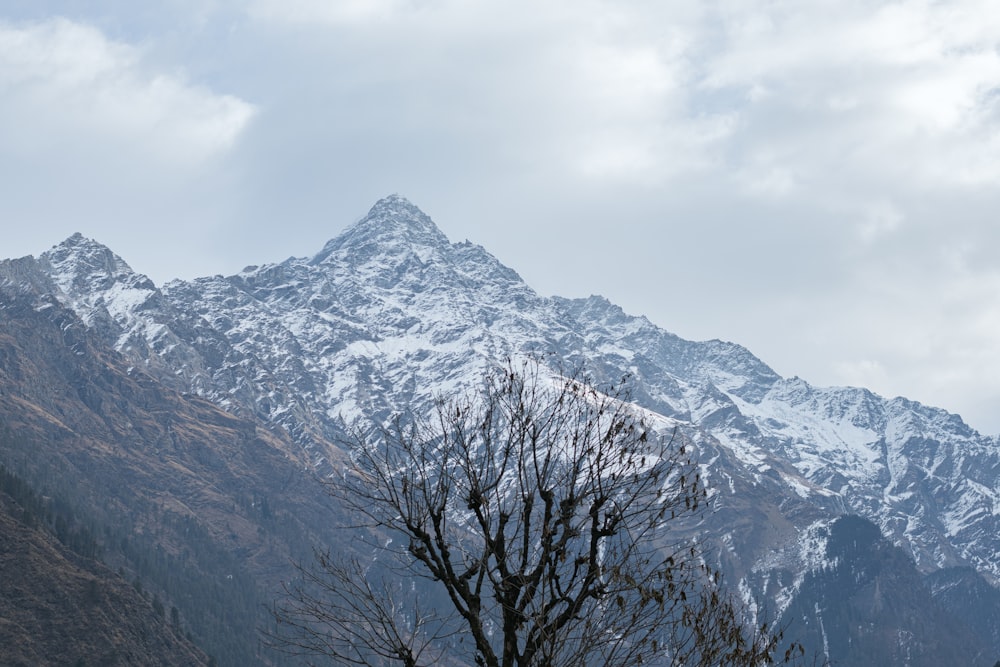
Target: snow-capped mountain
point(390, 314)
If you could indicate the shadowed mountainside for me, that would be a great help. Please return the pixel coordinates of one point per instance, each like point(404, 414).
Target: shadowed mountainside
point(59, 608)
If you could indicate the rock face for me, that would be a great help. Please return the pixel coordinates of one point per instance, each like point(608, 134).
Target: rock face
point(390, 315)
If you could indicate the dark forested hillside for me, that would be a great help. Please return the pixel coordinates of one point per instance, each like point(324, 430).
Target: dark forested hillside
point(60, 606)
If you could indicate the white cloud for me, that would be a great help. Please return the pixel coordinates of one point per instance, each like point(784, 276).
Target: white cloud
point(334, 12)
point(907, 88)
point(881, 219)
point(783, 97)
point(63, 83)
point(588, 89)
point(766, 176)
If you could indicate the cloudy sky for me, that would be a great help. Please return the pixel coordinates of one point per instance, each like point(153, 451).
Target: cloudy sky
point(817, 180)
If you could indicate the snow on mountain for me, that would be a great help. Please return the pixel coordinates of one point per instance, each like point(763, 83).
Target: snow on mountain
point(390, 314)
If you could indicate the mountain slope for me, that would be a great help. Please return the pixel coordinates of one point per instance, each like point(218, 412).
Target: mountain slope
point(205, 508)
point(58, 608)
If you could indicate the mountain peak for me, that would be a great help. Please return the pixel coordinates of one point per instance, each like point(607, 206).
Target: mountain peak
point(77, 241)
point(394, 205)
point(391, 221)
point(80, 263)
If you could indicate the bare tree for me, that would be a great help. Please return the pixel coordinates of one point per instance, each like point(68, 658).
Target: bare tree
point(534, 524)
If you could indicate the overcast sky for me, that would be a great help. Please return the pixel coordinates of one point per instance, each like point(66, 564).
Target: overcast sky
point(816, 180)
